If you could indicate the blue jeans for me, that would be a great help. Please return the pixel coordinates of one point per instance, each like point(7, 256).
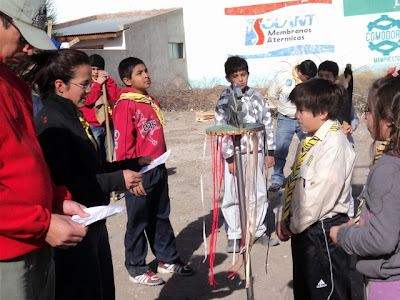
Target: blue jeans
point(100, 135)
point(285, 129)
point(148, 224)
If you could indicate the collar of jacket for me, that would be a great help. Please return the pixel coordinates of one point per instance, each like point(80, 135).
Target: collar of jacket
point(61, 104)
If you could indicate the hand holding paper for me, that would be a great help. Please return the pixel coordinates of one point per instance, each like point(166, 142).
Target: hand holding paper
point(131, 178)
point(158, 161)
point(98, 213)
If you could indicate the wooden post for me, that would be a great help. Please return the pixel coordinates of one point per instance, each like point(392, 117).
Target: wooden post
point(73, 42)
point(49, 28)
point(108, 132)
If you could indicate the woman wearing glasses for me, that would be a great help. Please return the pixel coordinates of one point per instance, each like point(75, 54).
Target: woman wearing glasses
point(64, 79)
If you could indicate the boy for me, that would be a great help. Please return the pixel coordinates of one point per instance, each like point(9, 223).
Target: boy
point(287, 125)
point(348, 115)
point(256, 110)
point(139, 131)
point(316, 193)
point(94, 111)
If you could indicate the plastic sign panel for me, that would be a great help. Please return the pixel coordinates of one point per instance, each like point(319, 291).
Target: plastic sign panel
point(365, 7)
point(281, 34)
point(361, 32)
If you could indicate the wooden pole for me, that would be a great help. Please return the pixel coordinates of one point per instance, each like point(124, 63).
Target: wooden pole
point(73, 42)
point(108, 131)
point(49, 28)
point(221, 130)
point(243, 216)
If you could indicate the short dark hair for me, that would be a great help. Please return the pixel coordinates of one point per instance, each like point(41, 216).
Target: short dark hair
point(319, 95)
point(308, 68)
point(96, 61)
point(329, 66)
point(126, 66)
point(234, 64)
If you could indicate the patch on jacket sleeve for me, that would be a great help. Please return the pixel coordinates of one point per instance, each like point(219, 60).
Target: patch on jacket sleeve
point(44, 120)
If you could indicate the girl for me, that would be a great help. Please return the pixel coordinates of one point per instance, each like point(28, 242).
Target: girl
point(64, 79)
point(376, 238)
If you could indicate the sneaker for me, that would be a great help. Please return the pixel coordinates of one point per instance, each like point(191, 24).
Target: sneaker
point(265, 240)
point(148, 278)
point(178, 268)
point(230, 245)
point(274, 187)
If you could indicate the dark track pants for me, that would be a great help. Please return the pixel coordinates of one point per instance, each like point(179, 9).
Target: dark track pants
point(315, 268)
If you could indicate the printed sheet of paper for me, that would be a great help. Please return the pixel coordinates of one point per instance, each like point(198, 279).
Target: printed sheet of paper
point(98, 213)
point(158, 161)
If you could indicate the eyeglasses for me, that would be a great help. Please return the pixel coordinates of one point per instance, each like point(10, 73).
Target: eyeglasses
point(366, 109)
point(21, 38)
point(85, 87)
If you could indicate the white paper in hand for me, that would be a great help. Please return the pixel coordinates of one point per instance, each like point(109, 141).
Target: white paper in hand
point(97, 213)
point(158, 161)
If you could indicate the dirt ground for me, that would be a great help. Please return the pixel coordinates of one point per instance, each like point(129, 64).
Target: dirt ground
point(272, 276)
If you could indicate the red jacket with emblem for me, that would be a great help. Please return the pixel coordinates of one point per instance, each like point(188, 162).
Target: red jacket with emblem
point(26, 189)
point(138, 131)
point(112, 96)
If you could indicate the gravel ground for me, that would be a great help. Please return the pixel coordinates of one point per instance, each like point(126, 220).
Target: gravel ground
point(271, 273)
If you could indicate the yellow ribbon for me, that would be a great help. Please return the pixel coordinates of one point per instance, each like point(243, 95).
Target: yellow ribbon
point(291, 183)
point(295, 77)
point(86, 126)
point(143, 99)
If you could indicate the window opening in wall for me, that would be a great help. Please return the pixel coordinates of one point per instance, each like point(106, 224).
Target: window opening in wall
point(175, 50)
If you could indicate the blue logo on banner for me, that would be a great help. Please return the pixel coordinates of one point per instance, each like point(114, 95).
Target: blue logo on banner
point(384, 35)
point(293, 51)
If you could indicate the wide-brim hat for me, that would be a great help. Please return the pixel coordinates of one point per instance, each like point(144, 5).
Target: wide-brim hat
point(30, 18)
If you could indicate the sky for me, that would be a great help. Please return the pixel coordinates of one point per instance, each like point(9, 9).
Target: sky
point(76, 9)
point(207, 25)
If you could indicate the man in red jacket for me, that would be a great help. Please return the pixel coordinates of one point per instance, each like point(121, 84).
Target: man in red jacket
point(33, 213)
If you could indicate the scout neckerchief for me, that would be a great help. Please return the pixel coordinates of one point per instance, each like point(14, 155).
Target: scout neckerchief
point(291, 183)
point(295, 77)
point(86, 126)
point(102, 102)
point(378, 155)
point(144, 99)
